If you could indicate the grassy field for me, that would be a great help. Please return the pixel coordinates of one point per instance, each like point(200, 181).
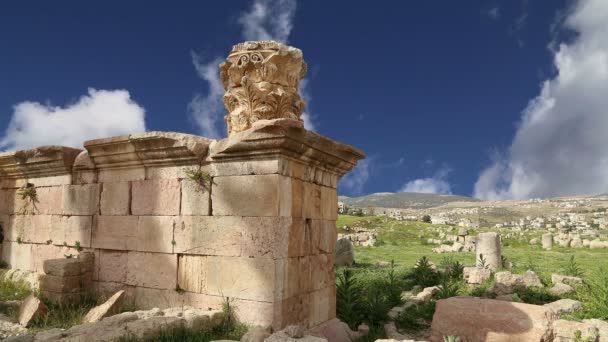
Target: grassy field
point(405, 242)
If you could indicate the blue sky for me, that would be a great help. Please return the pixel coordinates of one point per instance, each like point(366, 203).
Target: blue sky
point(435, 92)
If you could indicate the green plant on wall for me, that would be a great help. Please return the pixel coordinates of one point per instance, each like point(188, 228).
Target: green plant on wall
point(199, 177)
point(30, 198)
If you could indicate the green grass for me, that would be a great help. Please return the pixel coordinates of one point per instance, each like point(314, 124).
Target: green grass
point(63, 316)
point(14, 290)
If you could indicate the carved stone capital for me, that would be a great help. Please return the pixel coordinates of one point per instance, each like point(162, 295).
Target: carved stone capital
point(262, 82)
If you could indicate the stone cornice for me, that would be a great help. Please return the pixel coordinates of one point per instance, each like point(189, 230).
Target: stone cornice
point(146, 149)
point(286, 138)
point(43, 161)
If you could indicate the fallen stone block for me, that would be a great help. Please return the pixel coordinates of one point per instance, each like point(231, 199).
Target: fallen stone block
point(62, 267)
point(560, 289)
point(563, 306)
point(110, 307)
point(563, 279)
point(567, 331)
point(31, 309)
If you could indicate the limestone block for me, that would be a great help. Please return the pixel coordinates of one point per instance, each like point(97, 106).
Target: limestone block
point(85, 177)
point(300, 237)
point(476, 319)
point(63, 267)
point(49, 201)
point(322, 305)
point(153, 270)
point(238, 277)
point(155, 197)
point(168, 172)
point(155, 234)
point(147, 298)
point(64, 284)
point(268, 236)
point(294, 310)
point(563, 306)
point(311, 201)
point(195, 199)
point(72, 229)
point(568, 280)
point(51, 180)
point(329, 203)
point(113, 266)
point(47, 252)
point(250, 167)
point(257, 195)
point(488, 250)
point(7, 201)
point(110, 307)
point(80, 199)
point(31, 309)
point(211, 235)
point(122, 175)
point(547, 241)
point(18, 256)
point(566, 331)
point(115, 232)
point(323, 271)
point(115, 198)
point(323, 236)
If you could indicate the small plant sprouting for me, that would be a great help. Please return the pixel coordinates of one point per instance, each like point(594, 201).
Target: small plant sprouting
point(573, 269)
point(77, 245)
point(451, 338)
point(48, 242)
point(173, 242)
point(482, 262)
point(199, 177)
point(19, 240)
point(65, 244)
point(179, 289)
point(29, 195)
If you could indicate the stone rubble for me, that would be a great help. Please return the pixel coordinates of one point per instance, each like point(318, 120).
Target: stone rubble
point(31, 309)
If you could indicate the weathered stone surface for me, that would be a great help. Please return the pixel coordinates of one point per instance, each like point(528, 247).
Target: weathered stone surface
point(547, 241)
point(31, 309)
point(598, 244)
point(211, 235)
point(155, 234)
point(115, 198)
point(110, 307)
point(256, 334)
point(488, 250)
point(345, 253)
point(476, 319)
point(153, 270)
point(249, 196)
point(113, 266)
point(560, 289)
point(155, 197)
point(80, 199)
point(253, 95)
point(476, 275)
point(64, 284)
point(18, 256)
point(563, 306)
point(115, 232)
point(566, 331)
point(63, 267)
point(507, 282)
point(195, 198)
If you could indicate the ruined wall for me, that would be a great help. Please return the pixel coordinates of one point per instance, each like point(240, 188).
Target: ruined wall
point(260, 230)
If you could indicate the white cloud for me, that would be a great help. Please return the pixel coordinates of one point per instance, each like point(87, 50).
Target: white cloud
point(99, 114)
point(437, 184)
point(560, 147)
point(355, 180)
point(207, 111)
point(268, 20)
point(309, 119)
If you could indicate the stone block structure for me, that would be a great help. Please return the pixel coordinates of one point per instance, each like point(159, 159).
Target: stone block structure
point(67, 280)
point(177, 219)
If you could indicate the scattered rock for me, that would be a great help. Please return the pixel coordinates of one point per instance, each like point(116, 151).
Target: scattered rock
point(383, 264)
point(256, 334)
point(63, 267)
point(110, 307)
point(363, 329)
point(295, 331)
point(564, 330)
point(563, 306)
point(547, 241)
point(598, 244)
point(476, 275)
point(345, 253)
point(560, 289)
point(533, 241)
point(31, 309)
point(507, 282)
point(568, 280)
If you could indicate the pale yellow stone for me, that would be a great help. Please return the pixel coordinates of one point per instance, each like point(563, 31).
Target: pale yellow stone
point(248, 196)
point(154, 270)
point(71, 229)
point(51, 180)
point(80, 199)
point(252, 167)
point(329, 203)
point(18, 256)
point(122, 175)
point(168, 172)
point(311, 201)
point(112, 266)
point(115, 232)
point(155, 197)
point(155, 234)
point(209, 235)
point(115, 198)
point(192, 273)
point(267, 237)
point(49, 201)
point(195, 198)
point(322, 307)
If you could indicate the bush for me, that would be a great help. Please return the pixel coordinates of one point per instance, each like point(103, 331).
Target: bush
point(449, 288)
point(426, 218)
point(537, 296)
point(594, 296)
point(572, 268)
point(375, 306)
point(423, 273)
point(349, 307)
point(417, 317)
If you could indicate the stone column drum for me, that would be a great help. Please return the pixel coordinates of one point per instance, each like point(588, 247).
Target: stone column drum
point(488, 248)
point(177, 219)
point(547, 241)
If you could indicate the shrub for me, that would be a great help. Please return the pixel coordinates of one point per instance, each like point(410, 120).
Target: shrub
point(452, 269)
point(449, 288)
point(417, 317)
point(537, 296)
point(572, 268)
point(375, 306)
point(349, 307)
point(426, 218)
point(594, 296)
point(392, 286)
point(423, 273)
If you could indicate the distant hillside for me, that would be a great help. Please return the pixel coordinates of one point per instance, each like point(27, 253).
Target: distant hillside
point(403, 200)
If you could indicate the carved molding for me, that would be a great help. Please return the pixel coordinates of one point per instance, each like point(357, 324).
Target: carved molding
point(262, 81)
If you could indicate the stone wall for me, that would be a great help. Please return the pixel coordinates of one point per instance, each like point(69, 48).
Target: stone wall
point(259, 227)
